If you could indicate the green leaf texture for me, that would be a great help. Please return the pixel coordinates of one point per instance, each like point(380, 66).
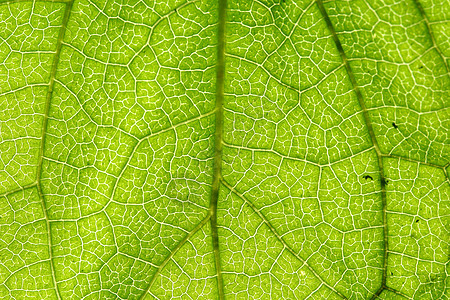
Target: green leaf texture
point(258, 149)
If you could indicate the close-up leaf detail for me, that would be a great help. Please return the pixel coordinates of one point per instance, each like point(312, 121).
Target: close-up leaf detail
point(224, 149)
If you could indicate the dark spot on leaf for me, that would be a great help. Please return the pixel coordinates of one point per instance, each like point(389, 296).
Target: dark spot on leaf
point(394, 125)
point(392, 273)
point(421, 67)
point(384, 181)
point(417, 221)
point(368, 177)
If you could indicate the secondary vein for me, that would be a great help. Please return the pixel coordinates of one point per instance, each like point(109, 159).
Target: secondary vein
point(51, 85)
point(372, 137)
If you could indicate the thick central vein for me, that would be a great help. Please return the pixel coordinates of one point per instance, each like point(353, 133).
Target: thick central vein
point(218, 141)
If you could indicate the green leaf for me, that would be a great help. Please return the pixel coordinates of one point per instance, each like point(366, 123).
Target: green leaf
point(209, 150)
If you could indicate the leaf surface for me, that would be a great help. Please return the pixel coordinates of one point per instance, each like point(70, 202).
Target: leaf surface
point(243, 150)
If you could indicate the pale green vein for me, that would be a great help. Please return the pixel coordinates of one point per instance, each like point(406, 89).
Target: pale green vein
point(24, 267)
point(277, 235)
point(446, 173)
point(19, 189)
point(173, 252)
point(372, 137)
point(413, 160)
point(397, 292)
point(430, 32)
point(51, 85)
point(18, 1)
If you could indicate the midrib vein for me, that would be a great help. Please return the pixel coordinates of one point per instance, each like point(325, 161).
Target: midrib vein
point(218, 142)
point(372, 137)
point(51, 85)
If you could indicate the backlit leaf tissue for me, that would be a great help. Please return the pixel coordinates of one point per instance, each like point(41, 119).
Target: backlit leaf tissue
point(224, 149)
